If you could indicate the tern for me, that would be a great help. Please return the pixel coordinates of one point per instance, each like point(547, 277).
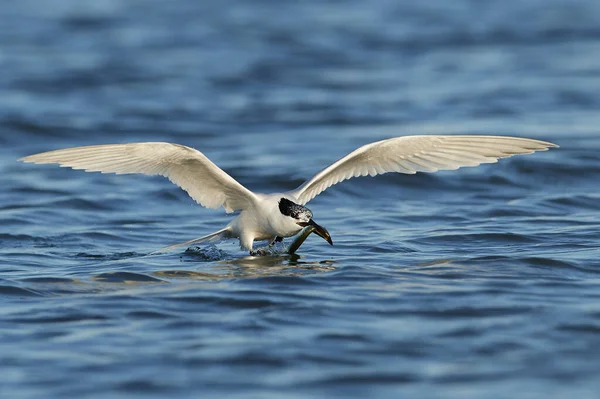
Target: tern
point(275, 216)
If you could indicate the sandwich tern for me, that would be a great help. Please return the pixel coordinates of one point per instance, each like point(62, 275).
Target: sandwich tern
point(275, 216)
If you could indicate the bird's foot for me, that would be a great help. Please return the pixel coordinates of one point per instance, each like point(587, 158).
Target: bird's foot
point(259, 252)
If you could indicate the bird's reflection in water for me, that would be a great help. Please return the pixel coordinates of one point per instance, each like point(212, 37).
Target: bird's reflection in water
point(226, 266)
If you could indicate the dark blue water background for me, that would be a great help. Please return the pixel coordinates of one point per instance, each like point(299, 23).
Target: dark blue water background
point(473, 283)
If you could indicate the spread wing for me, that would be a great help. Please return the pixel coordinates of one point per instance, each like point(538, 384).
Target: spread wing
point(411, 154)
point(191, 170)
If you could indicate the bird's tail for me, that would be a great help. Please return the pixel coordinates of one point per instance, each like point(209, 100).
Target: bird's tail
point(222, 234)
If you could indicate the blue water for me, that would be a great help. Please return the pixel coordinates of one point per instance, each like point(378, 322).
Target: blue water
point(482, 282)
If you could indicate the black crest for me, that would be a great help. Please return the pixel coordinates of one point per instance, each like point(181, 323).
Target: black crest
point(289, 208)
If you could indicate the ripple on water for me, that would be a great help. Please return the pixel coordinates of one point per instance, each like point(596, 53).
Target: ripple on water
point(556, 264)
point(149, 314)
point(585, 328)
point(17, 237)
point(126, 278)
point(9, 290)
point(48, 280)
point(188, 275)
point(470, 239)
point(81, 204)
point(574, 201)
point(227, 302)
point(115, 256)
point(207, 253)
point(61, 317)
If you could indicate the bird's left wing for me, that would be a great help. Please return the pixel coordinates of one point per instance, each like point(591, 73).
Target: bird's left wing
point(191, 170)
point(411, 154)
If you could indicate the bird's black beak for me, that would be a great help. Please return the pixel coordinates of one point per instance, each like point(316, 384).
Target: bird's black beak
point(320, 230)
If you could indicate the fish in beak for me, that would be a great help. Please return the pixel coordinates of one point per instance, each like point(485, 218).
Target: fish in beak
point(320, 230)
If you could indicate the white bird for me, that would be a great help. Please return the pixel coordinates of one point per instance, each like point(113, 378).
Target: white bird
point(274, 216)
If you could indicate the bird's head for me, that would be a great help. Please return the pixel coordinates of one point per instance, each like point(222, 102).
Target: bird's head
point(302, 216)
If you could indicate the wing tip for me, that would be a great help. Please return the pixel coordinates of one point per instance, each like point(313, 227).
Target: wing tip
point(27, 159)
point(541, 145)
point(36, 158)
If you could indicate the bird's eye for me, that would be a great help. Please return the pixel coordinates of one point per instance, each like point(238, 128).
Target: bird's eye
point(286, 207)
point(291, 209)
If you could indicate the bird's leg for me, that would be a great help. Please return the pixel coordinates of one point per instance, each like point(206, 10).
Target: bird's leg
point(275, 240)
point(265, 251)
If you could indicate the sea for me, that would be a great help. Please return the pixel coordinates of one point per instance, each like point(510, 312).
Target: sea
point(476, 283)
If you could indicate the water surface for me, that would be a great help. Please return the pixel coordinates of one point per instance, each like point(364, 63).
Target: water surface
point(480, 282)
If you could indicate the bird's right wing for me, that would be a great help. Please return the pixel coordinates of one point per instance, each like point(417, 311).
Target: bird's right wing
point(188, 168)
point(411, 154)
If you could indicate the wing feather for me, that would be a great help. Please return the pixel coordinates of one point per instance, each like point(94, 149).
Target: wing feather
point(412, 154)
point(188, 168)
